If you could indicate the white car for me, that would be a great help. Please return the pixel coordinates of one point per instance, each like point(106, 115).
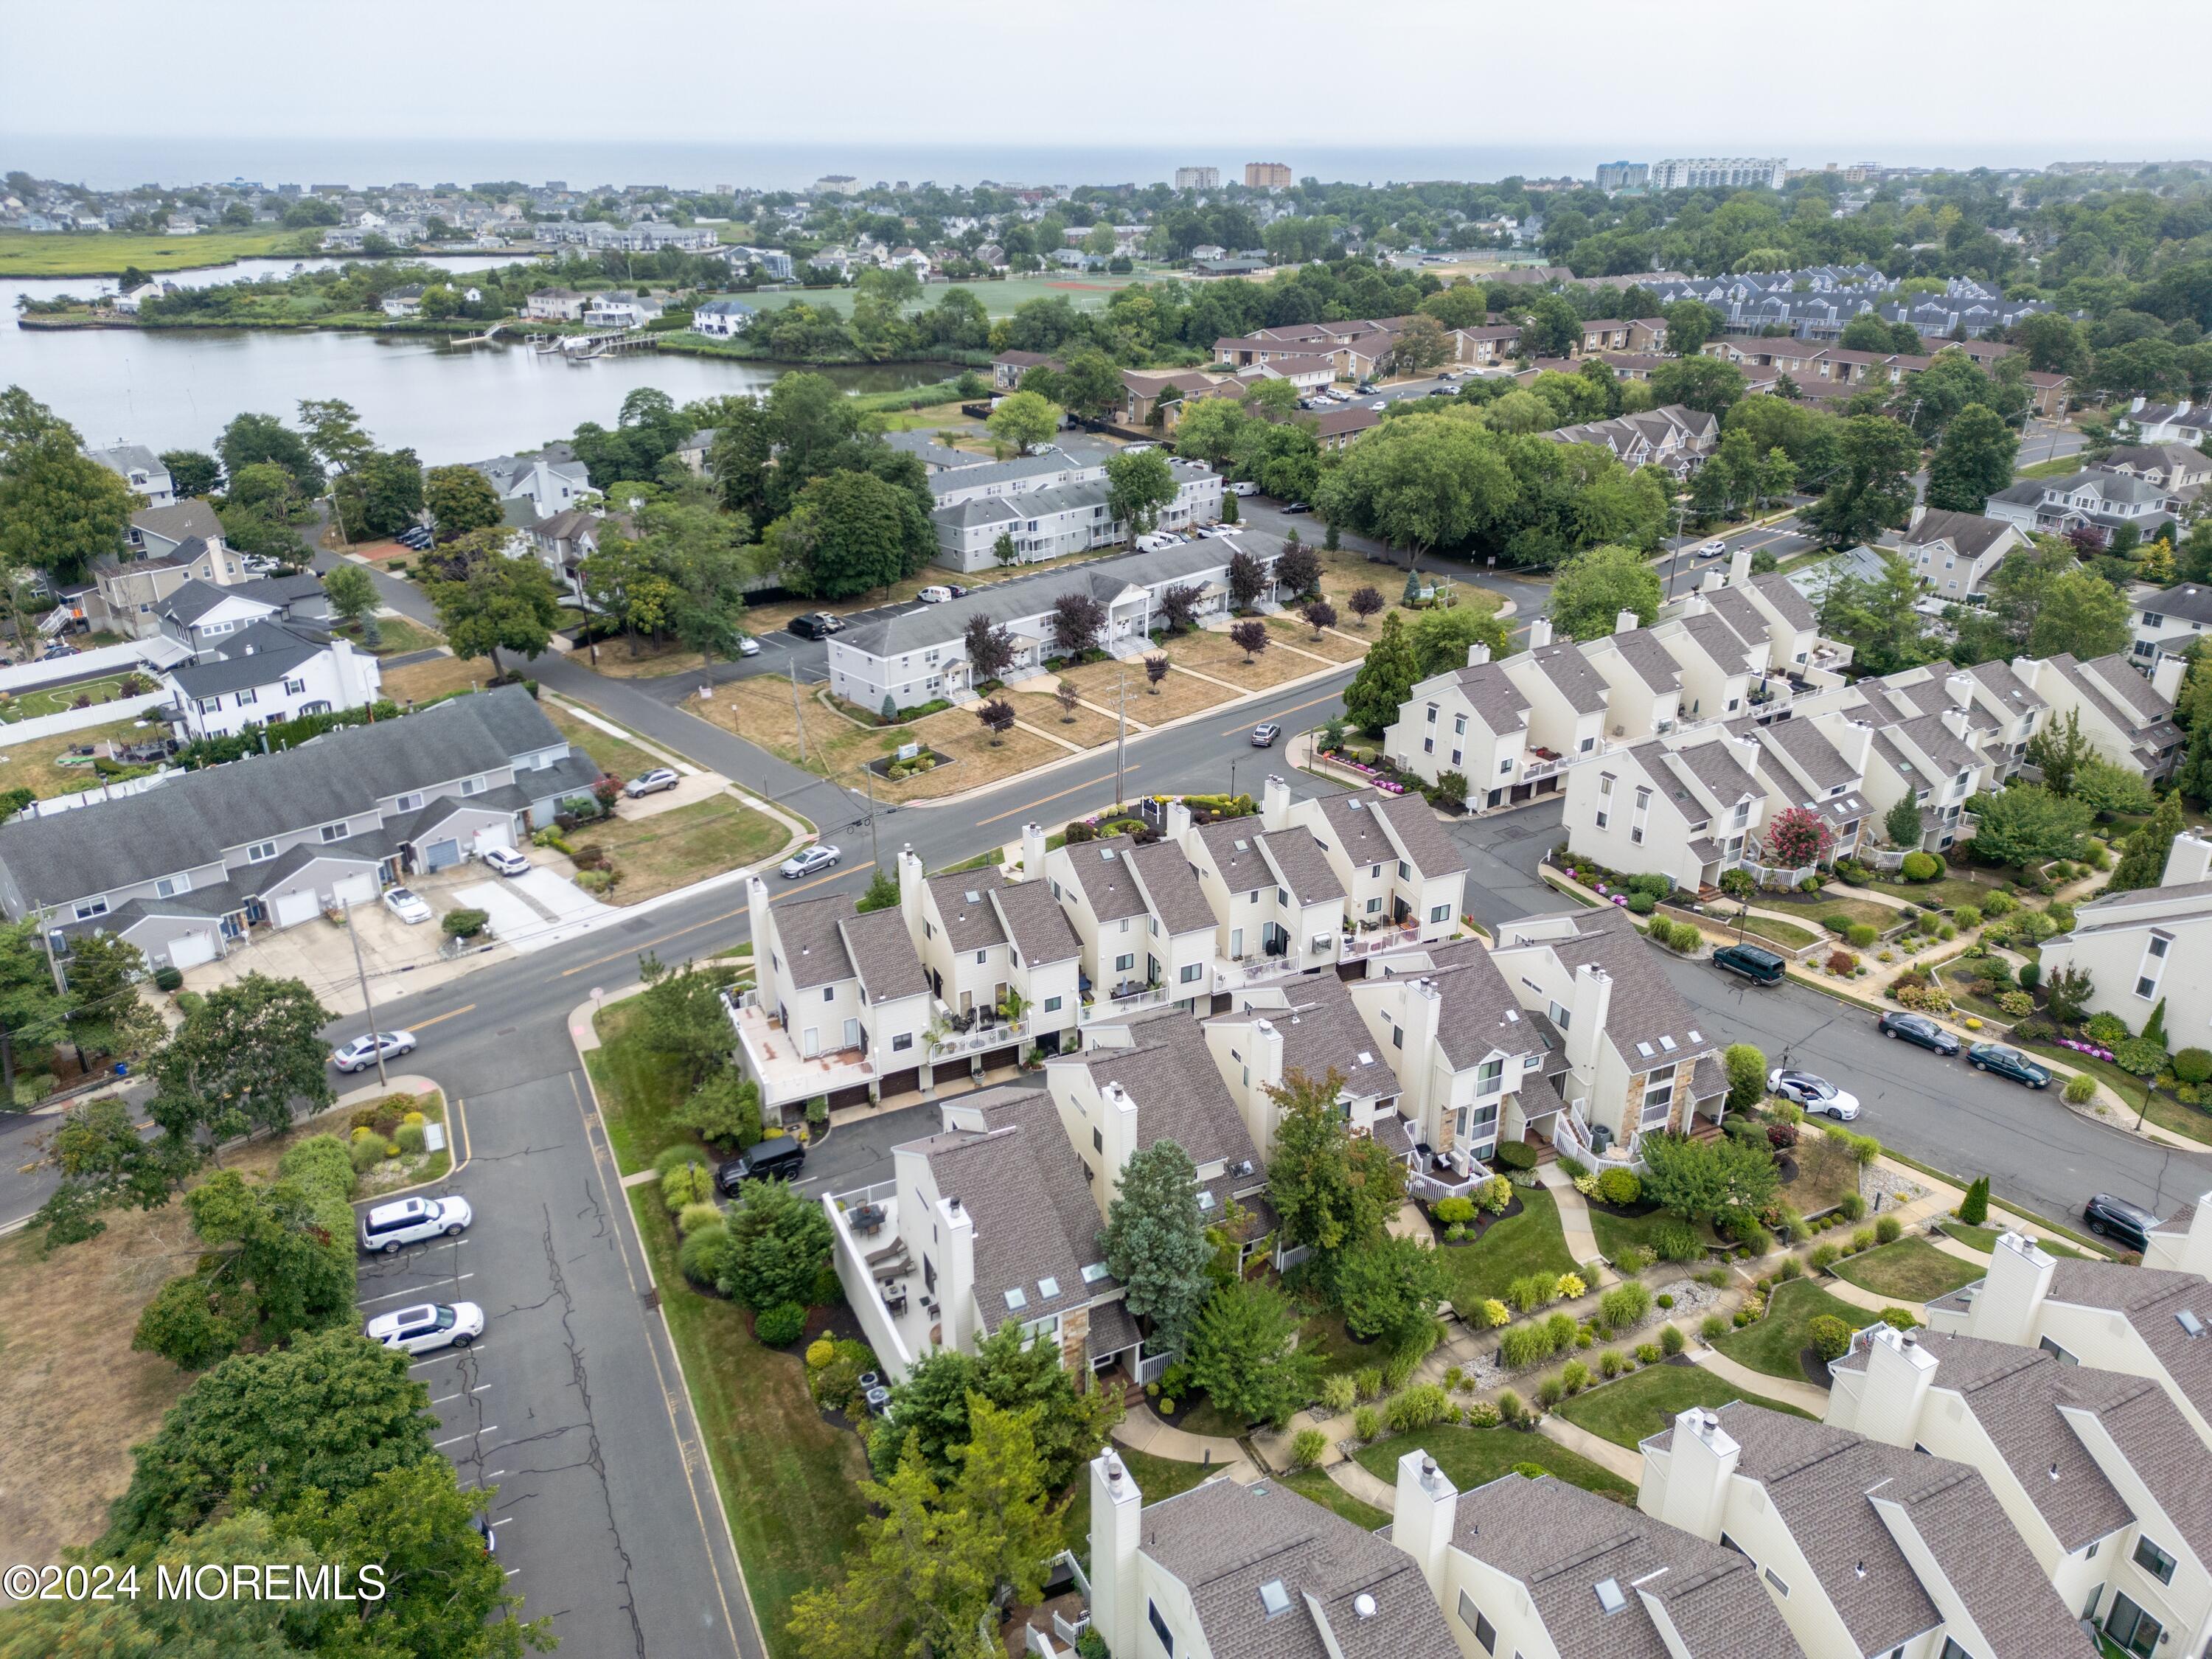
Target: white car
point(1378, 405)
point(411, 1220)
point(431, 1325)
point(1814, 1092)
point(1244, 487)
point(808, 859)
point(1712, 550)
point(361, 1054)
point(505, 860)
point(749, 646)
point(409, 907)
point(935, 596)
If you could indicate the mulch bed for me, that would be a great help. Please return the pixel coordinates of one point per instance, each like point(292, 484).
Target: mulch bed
point(1483, 1222)
point(1815, 1368)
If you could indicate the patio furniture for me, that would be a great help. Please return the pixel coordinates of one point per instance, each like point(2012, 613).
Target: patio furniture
point(893, 1248)
point(866, 1217)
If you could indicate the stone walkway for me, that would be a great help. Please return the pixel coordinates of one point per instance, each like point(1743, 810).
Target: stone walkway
point(1628, 1465)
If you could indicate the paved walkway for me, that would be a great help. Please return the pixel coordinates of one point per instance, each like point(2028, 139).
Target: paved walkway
point(1844, 1290)
point(1142, 1430)
point(1574, 1219)
point(1628, 1465)
point(1788, 1391)
point(1367, 1488)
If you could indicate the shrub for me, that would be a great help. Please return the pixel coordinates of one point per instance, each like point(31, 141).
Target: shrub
point(1574, 1377)
point(1624, 1307)
point(1664, 1300)
point(780, 1326)
point(1831, 1338)
point(1677, 1240)
point(675, 1157)
point(1862, 934)
point(1862, 1240)
point(1508, 1406)
point(1841, 961)
point(1531, 1292)
point(1837, 925)
point(1611, 1363)
point(1920, 866)
point(687, 1183)
point(1582, 1336)
point(1782, 1136)
point(2193, 1065)
point(1671, 1342)
point(1337, 1393)
point(1494, 1195)
point(1400, 1366)
point(1524, 1345)
point(1623, 1188)
point(410, 1139)
point(464, 924)
point(1750, 1232)
point(1456, 1233)
point(1494, 1314)
point(1454, 1209)
point(1419, 1408)
point(1824, 1257)
point(1571, 1287)
point(1888, 1230)
point(1974, 1206)
point(1367, 1383)
point(169, 979)
point(1968, 915)
point(1366, 1423)
point(1718, 1278)
point(2140, 1056)
point(1788, 1268)
point(1641, 905)
point(2106, 1030)
point(1897, 1319)
point(1852, 1205)
point(1515, 1155)
point(1453, 1377)
point(819, 1353)
point(1483, 1414)
point(1308, 1447)
point(1562, 1328)
point(692, 1216)
point(2081, 1089)
point(1713, 1327)
point(1549, 1394)
point(2016, 1004)
point(365, 1153)
point(704, 1255)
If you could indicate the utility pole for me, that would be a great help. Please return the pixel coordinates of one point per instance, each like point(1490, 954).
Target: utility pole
point(868, 778)
point(1121, 736)
point(798, 718)
point(1675, 560)
point(345, 909)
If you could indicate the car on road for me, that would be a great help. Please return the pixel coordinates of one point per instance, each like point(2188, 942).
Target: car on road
point(1814, 1092)
point(387, 1227)
point(807, 860)
point(2008, 1062)
point(1712, 550)
point(425, 1329)
point(815, 625)
point(360, 1055)
point(935, 595)
point(1265, 733)
point(1294, 508)
point(1917, 1029)
point(408, 906)
point(505, 860)
point(1244, 487)
point(652, 783)
point(1378, 405)
point(1761, 967)
point(1364, 387)
point(2115, 1217)
point(1438, 392)
point(779, 1159)
point(748, 646)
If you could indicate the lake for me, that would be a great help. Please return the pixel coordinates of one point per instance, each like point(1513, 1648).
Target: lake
point(175, 389)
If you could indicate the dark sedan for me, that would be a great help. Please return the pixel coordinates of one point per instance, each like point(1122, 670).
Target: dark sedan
point(2008, 1062)
point(1918, 1029)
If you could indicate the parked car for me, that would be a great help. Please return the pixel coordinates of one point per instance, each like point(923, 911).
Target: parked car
point(1761, 967)
point(387, 1227)
point(1920, 1030)
point(1158, 542)
point(407, 905)
point(1378, 405)
point(779, 1159)
point(1244, 487)
point(432, 1326)
point(2008, 1062)
point(1295, 507)
point(1814, 1093)
point(418, 537)
point(1265, 733)
point(360, 1055)
point(815, 625)
point(807, 860)
point(748, 646)
point(506, 862)
point(957, 590)
point(935, 595)
point(652, 783)
point(2115, 1217)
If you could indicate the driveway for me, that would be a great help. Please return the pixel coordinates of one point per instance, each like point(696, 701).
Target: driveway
point(1502, 851)
point(531, 911)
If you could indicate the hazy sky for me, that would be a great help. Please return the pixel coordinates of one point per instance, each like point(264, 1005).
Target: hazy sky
point(1887, 80)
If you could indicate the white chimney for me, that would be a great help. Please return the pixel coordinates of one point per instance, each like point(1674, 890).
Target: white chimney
point(956, 1291)
point(1540, 633)
point(1592, 1001)
point(1178, 821)
point(1954, 722)
point(1626, 621)
point(1117, 1134)
point(1423, 1514)
point(910, 880)
point(2190, 859)
point(1033, 852)
point(1275, 805)
point(1701, 1460)
point(2166, 678)
point(1421, 1014)
point(1739, 568)
point(2011, 1301)
point(1117, 1511)
point(2191, 1253)
point(1961, 686)
point(1919, 512)
point(1476, 654)
point(757, 923)
point(1708, 583)
point(1899, 1372)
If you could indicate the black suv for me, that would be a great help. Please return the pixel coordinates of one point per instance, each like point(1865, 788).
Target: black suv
point(779, 1159)
point(815, 625)
point(2117, 1219)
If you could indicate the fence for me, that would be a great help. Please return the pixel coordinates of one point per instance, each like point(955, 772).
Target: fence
point(76, 719)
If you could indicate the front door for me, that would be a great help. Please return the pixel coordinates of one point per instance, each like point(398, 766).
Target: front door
point(810, 1042)
point(2131, 1628)
point(1236, 943)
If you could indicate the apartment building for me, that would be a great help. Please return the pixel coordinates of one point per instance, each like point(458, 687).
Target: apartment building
point(1050, 505)
point(1719, 173)
point(1145, 931)
point(1864, 1547)
point(1672, 436)
point(2127, 718)
point(1398, 868)
point(2095, 1470)
point(999, 954)
point(1311, 1026)
point(2127, 942)
point(2167, 622)
point(1687, 810)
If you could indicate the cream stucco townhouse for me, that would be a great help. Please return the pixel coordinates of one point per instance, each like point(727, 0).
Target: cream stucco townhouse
point(2129, 719)
point(1688, 810)
point(1145, 930)
point(1404, 878)
point(1312, 1027)
point(1001, 956)
point(1277, 906)
point(2133, 946)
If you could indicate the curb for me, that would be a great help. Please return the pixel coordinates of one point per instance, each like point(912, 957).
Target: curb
point(457, 1122)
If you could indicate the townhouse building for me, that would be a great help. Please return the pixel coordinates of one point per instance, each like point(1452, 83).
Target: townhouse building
point(1864, 1547)
point(2127, 942)
point(1688, 810)
point(1799, 765)
point(2127, 718)
point(2166, 622)
point(2092, 501)
point(142, 469)
point(2181, 469)
point(1474, 721)
point(1956, 553)
point(1399, 869)
point(168, 546)
point(1607, 334)
point(1008, 368)
point(193, 864)
point(1309, 1027)
point(1276, 903)
point(1143, 928)
point(1001, 956)
point(2096, 1471)
point(1048, 506)
point(2188, 423)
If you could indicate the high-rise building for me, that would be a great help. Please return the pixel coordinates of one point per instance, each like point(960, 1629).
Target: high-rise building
point(1266, 175)
point(1622, 175)
point(1198, 179)
point(1719, 173)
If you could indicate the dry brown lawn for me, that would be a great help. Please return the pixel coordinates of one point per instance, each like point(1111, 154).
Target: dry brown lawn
point(1179, 694)
point(1296, 631)
point(422, 681)
point(960, 737)
point(1088, 728)
point(1214, 654)
point(673, 849)
point(33, 765)
point(624, 760)
point(759, 710)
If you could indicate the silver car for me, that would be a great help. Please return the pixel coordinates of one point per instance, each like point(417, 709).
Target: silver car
point(808, 859)
point(1814, 1092)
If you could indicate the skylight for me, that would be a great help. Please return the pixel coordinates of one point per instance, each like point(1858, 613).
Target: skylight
point(1205, 1201)
point(1273, 1598)
point(1356, 806)
point(1696, 1036)
point(1668, 1043)
point(1366, 1058)
point(1644, 1049)
point(1048, 1288)
point(1243, 847)
point(1609, 1596)
point(973, 896)
point(1106, 854)
point(1017, 1298)
point(1095, 1272)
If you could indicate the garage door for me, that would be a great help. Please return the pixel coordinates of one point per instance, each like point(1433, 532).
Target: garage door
point(441, 854)
point(293, 908)
point(496, 835)
point(191, 950)
point(356, 890)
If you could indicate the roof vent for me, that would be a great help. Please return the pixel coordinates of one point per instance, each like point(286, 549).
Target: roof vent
point(1860, 1569)
point(1274, 1599)
point(1113, 1472)
point(2191, 1323)
point(1609, 1595)
point(2054, 1471)
point(1364, 1605)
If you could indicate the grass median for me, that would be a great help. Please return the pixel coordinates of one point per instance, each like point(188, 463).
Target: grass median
point(1637, 1406)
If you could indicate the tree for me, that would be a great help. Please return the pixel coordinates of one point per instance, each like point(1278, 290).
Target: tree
point(1250, 636)
point(499, 602)
point(351, 592)
point(936, 1400)
point(106, 1016)
point(1365, 600)
point(1209, 430)
point(59, 509)
point(725, 1111)
point(1440, 638)
point(1179, 606)
point(1244, 1353)
point(1706, 1180)
point(1320, 614)
point(1710, 384)
point(1069, 699)
point(2027, 824)
point(192, 471)
point(1974, 1207)
point(1138, 487)
point(1078, 620)
point(2109, 790)
point(680, 1016)
point(1796, 836)
point(780, 1240)
point(1024, 420)
point(1332, 1193)
point(1385, 678)
point(253, 438)
point(1421, 345)
point(1155, 1240)
point(1901, 823)
point(2059, 750)
point(998, 717)
point(1156, 669)
point(1388, 1288)
point(1552, 328)
point(990, 649)
point(1297, 567)
point(32, 1009)
point(460, 498)
point(848, 532)
point(2142, 861)
point(710, 569)
point(2081, 613)
point(1873, 490)
point(1092, 384)
point(382, 496)
point(106, 1164)
point(1247, 579)
point(1973, 461)
point(1423, 481)
point(1690, 324)
point(1869, 332)
point(1593, 588)
point(1874, 616)
point(1004, 550)
point(242, 1061)
point(1746, 1076)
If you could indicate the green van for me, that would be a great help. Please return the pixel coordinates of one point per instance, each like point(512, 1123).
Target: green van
point(1761, 967)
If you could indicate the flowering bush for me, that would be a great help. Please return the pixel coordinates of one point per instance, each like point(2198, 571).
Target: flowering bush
point(1570, 1286)
point(2089, 1049)
point(1796, 836)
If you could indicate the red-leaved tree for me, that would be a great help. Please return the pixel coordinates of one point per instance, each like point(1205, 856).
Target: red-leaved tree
point(1796, 836)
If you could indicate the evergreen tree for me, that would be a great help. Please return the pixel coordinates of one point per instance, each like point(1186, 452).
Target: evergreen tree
point(2143, 861)
point(1156, 1240)
point(1385, 679)
point(1243, 1351)
point(2058, 751)
point(1901, 823)
point(1974, 1208)
point(2193, 711)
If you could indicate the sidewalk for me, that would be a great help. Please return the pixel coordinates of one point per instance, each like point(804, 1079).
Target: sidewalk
point(1367, 1488)
point(1574, 1219)
point(1142, 1431)
point(1628, 1465)
point(1788, 1391)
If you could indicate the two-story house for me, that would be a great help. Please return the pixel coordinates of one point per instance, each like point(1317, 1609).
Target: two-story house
point(2128, 943)
point(1277, 906)
point(169, 546)
point(1399, 869)
point(1145, 930)
point(142, 469)
point(266, 672)
point(1956, 553)
point(2166, 622)
point(2093, 501)
point(2128, 718)
point(1000, 954)
point(1474, 721)
point(1688, 809)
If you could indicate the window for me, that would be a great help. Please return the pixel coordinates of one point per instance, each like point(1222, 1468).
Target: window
point(1097, 1140)
point(2133, 1630)
point(1775, 1578)
point(246, 699)
point(1051, 1005)
point(980, 955)
point(2154, 964)
point(829, 993)
point(210, 705)
point(1561, 1015)
point(1485, 1634)
point(334, 831)
point(408, 803)
point(91, 908)
point(1405, 870)
point(1374, 905)
point(1190, 971)
point(1438, 911)
point(1160, 1628)
point(170, 886)
point(472, 786)
point(1490, 1077)
point(1123, 964)
point(901, 1041)
point(295, 686)
point(2154, 1561)
point(1658, 1101)
point(261, 852)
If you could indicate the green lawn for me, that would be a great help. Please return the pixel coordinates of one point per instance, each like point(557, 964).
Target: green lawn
point(1312, 1483)
point(1818, 905)
point(1912, 1270)
point(1530, 1242)
point(1788, 934)
point(57, 699)
point(1643, 1404)
point(2058, 466)
point(1476, 1457)
point(1940, 893)
point(1773, 1344)
point(2165, 1110)
point(638, 1089)
point(1984, 1239)
point(399, 636)
point(624, 760)
point(106, 253)
point(1617, 1233)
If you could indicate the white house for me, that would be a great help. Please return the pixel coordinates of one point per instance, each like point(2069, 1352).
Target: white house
point(2131, 945)
point(550, 484)
point(621, 308)
point(722, 319)
point(1688, 809)
point(142, 469)
point(1310, 1025)
point(2127, 718)
point(264, 672)
point(556, 305)
point(999, 956)
point(2167, 622)
point(1050, 505)
point(1145, 927)
point(1956, 553)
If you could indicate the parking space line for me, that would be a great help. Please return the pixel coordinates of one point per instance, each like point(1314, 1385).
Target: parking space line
point(471, 1435)
point(443, 1398)
point(451, 1353)
point(412, 1290)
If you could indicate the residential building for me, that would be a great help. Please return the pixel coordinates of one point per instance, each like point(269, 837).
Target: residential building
point(1008, 368)
point(1001, 956)
point(564, 540)
point(621, 308)
point(405, 302)
point(722, 320)
point(191, 867)
point(1672, 436)
point(550, 484)
point(1493, 343)
point(142, 469)
point(1050, 505)
point(1474, 721)
point(1267, 175)
point(1688, 808)
point(2129, 719)
point(2096, 502)
point(2166, 622)
point(1622, 175)
point(2098, 1472)
point(252, 664)
point(1403, 876)
point(1277, 904)
point(1198, 178)
point(1308, 1026)
point(1956, 553)
point(170, 546)
point(2180, 470)
point(556, 305)
point(1718, 173)
point(1865, 1548)
point(1605, 334)
point(2159, 423)
point(1143, 925)
point(2126, 941)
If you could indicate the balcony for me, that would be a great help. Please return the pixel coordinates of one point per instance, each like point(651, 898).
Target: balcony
point(773, 1057)
point(1130, 1002)
point(997, 1034)
point(877, 1264)
point(1380, 939)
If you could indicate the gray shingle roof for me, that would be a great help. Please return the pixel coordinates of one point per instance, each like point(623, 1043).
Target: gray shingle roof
point(1170, 1073)
point(1813, 756)
point(1034, 1220)
point(1785, 598)
point(1477, 1011)
point(259, 655)
point(1169, 882)
point(812, 940)
point(1101, 869)
point(1961, 1524)
point(2007, 686)
point(180, 523)
point(1568, 670)
point(195, 598)
point(1357, 820)
point(1501, 706)
point(1322, 1029)
point(1969, 533)
point(971, 923)
point(2149, 1297)
point(1644, 1005)
point(1035, 922)
point(876, 945)
point(1649, 658)
point(1300, 865)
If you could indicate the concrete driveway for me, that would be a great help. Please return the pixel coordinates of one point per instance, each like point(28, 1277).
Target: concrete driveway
point(531, 911)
